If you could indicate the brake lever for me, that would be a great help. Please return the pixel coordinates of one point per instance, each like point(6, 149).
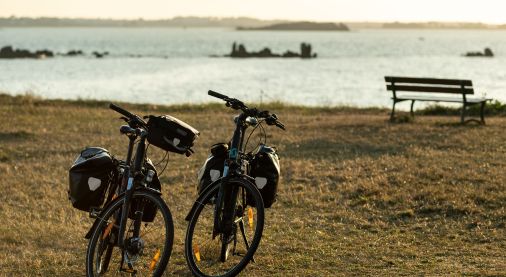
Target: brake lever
point(270, 120)
point(124, 118)
point(273, 120)
point(263, 114)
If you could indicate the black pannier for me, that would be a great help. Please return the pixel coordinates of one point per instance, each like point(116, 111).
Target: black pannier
point(171, 134)
point(212, 169)
point(89, 178)
point(265, 170)
point(149, 211)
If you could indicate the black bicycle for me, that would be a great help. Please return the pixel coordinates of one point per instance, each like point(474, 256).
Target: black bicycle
point(133, 231)
point(227, 219)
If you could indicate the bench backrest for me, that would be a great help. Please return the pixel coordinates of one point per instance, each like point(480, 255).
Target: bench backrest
point(395, 84)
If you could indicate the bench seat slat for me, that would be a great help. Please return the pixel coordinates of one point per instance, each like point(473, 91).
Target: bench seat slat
point(432, 81)
point(441, 99)
point(431, 89)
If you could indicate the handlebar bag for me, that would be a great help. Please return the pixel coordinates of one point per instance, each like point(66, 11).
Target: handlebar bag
point(89, 178)
point(171, 134)
point(265, 170)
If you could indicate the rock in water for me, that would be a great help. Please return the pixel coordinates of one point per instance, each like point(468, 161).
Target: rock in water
point(488, 52)
point(239, 51)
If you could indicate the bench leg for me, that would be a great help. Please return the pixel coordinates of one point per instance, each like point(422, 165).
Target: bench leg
point(392, 114)
point(411, 111)
point(482, 110)
point(463, 114)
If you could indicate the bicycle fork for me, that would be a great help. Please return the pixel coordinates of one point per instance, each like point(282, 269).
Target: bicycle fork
point(125, 245)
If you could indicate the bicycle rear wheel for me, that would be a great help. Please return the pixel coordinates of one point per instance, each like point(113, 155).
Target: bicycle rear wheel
point(143, 255)
point(227, 251)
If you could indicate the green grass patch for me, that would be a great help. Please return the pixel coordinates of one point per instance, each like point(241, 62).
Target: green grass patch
point(495, 108)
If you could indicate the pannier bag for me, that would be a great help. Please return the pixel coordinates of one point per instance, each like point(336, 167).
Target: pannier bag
point(89, 178)
point(265, 170)
point(149, 211)
point(212, 169)
point(171, 134)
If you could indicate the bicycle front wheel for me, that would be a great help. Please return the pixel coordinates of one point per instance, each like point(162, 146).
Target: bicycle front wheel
point(147, 245)
point(226, 250)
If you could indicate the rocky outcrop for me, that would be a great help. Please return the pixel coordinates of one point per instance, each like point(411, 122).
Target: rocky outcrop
point(100, 54)
point(486, 53)
point(73, 53)
point(239, 51)
point(8, 52)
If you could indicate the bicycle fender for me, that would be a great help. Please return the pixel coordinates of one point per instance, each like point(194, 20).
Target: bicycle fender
point(119, 198)
point(208, 188)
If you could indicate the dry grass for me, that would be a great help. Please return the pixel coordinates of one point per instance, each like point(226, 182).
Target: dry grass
point(359, 196)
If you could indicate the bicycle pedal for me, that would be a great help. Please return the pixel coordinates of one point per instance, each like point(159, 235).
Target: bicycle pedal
point(95, 212)
point(242, 255)
point(127, 270)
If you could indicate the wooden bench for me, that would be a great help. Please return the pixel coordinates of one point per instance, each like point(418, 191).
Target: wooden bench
point(436, 90)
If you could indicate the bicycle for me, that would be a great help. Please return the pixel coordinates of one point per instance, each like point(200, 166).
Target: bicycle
point(134, 230)
point(226, 222)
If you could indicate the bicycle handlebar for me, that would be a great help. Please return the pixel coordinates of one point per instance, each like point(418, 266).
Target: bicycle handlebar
point(280, 125)
point(271, 119)
point(217, 95)
point(134, 120)
point(121, 110)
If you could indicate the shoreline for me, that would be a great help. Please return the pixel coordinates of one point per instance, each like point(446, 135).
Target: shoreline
point(36, 100)
point(494, 108)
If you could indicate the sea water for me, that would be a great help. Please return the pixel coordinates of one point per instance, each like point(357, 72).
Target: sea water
point(179, 65)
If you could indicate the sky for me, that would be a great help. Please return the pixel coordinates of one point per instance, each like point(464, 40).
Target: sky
point(486, 11)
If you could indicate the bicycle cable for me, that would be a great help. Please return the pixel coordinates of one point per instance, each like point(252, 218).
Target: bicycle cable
point(166, 163)
point(265, 135)
point(251, 133)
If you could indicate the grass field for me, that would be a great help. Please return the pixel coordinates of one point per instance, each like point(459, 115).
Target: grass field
point(358, 195)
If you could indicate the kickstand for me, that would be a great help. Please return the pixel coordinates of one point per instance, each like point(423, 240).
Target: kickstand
point(243, 232)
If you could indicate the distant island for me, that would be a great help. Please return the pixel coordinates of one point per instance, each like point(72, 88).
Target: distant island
point(241, 23)
point(300, 26)
point(440, 25)
point(176, 22)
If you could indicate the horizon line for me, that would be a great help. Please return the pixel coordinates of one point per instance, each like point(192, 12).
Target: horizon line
point(249, 17)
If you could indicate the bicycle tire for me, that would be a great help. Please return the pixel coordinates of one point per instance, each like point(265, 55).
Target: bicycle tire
point(148, 253)
point(196, 259)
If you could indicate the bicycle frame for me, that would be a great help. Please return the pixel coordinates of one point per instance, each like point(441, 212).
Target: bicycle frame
point(226, 197)
point(131, 179)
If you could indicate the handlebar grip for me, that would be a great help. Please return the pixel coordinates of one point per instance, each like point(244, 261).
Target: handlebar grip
point(121, 110)
point(280, 125)
point(217, 95)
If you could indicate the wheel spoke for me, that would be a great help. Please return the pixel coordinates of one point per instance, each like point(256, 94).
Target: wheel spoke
point(224, 254)
point(145, 255)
